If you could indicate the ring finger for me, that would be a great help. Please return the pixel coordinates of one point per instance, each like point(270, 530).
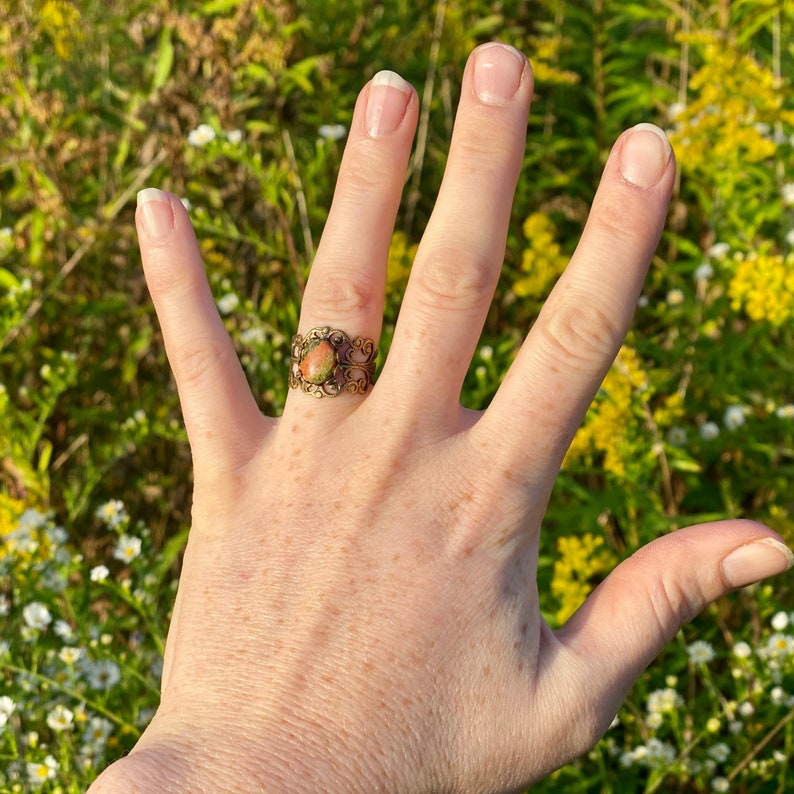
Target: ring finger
point(346, 285)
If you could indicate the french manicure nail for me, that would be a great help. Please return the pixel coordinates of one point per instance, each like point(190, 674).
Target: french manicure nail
point(645, 155)
point(387, 102)
point(755, 561)
point(156, 213)
point(498, 69)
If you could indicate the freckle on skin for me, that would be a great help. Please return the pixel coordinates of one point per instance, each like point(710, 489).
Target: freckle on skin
point(508, 474)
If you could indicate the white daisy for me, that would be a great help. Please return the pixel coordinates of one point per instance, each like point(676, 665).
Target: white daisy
point(201, 136)
point(127, 548)
point(700, 652)
point(60, 718)
point(734, 417)
point(36, 615)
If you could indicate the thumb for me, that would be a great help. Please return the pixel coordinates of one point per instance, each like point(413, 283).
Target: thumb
point(641, 605)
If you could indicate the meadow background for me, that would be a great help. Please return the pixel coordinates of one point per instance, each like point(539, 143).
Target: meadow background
point(240, 107)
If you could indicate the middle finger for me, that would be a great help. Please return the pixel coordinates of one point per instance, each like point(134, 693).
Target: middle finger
point(459, 259)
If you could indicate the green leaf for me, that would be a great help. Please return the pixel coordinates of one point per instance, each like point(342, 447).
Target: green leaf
point(8, 280)
point(219, 6)
point(486, 26)
point(170, 552)
point(165, 59)
point(685, 464)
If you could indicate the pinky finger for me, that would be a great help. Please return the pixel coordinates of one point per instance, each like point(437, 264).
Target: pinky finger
point(221, 415)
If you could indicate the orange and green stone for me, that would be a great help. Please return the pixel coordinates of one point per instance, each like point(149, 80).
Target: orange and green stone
point(318, 362)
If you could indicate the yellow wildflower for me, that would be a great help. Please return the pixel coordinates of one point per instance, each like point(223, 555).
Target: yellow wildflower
point(583, 559)
point(763, 286)
point(543, 260)
point(60, 20)
point(23, 535)
point(10, 511)
point(401, 256)
point(736, 102)
point(781, 520)
point(670, 411)
point(545, 53)
point(606, 425)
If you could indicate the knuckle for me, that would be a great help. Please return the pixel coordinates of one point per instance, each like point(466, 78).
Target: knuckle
point(362, 176)
point(455, 277)
point(338, 294)
point(366, 170)
point(612, 225)
point(671, 600)
point(582, 333)
point(480, 142)
point(673, 605)
point(167, 279)
point(197, 363)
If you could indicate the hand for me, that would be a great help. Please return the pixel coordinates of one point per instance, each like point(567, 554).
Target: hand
point(358, 608)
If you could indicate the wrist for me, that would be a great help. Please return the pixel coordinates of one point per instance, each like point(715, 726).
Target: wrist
point(191, 769)
point(204, 762)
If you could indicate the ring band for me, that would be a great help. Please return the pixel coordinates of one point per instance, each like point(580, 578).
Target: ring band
point(325, 362)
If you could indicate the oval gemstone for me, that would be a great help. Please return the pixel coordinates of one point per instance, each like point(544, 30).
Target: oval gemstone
point(318, 362)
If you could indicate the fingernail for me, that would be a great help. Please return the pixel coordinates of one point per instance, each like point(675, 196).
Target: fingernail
point(645, 155)
point(756, 561)
point(156, 213)
point(498, 69)
point(387, 102)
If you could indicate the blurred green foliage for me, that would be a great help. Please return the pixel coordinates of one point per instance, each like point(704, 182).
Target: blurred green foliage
point(695, 421)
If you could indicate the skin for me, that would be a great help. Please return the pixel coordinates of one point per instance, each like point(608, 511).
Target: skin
point(358, 608)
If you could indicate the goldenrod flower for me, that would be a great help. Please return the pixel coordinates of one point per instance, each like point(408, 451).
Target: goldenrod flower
point(60, 20)
point(542, 261)
point(582, 560)
point(401, 257)
point(736, 101)
point(605, 429)
point(763, 286)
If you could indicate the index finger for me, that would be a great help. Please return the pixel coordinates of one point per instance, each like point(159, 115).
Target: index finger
point(585, 319)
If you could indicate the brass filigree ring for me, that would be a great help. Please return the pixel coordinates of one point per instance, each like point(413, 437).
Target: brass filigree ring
point(325, 362)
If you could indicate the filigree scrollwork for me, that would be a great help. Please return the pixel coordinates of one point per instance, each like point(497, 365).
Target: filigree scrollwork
point(325, 362)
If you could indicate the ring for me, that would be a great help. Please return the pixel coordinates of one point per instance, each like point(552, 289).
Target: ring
point(325, 362)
